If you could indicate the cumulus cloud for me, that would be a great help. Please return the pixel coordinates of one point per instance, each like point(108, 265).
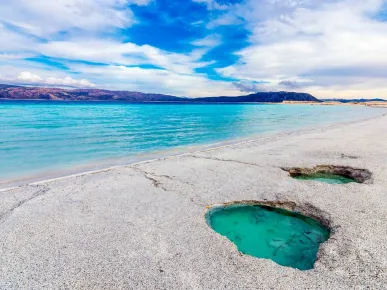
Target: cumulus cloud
point(157, 80)
point(28, 77)
point(293, 39)
point(69, 82)
point(291, 45)
point(42, 17)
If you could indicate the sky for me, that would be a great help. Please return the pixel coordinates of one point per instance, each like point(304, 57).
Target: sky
point(196, 48)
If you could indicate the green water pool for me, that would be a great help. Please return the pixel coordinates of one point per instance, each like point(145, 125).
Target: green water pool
point(326, 177)
point(288, 238)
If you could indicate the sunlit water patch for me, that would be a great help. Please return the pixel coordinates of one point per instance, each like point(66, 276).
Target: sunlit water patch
point(42, 137)
point(326, 178)
point(288, 238)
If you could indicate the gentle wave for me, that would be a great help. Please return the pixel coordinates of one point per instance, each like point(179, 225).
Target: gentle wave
point(40, 136)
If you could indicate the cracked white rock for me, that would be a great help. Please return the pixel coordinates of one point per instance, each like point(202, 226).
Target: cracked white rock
point(143, 226)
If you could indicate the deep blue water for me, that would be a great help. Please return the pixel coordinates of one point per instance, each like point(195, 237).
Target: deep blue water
point(36, 137)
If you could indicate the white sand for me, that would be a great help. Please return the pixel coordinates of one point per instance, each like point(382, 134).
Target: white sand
point(142, 226)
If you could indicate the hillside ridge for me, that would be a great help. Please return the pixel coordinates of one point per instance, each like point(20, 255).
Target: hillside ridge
point(12, 92)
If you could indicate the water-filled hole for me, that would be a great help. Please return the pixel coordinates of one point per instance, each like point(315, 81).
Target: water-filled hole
point(326, 177)
point(288, 238)
point(330, 174)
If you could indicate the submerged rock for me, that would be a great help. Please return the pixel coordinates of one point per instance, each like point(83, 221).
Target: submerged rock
point(288, 238)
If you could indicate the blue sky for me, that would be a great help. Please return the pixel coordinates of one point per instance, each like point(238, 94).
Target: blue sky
point(195, 48)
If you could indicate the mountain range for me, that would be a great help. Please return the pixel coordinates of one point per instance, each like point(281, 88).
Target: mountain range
point(12, 92)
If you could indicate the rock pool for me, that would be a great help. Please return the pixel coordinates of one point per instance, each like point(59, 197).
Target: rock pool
point(332, 174)
point(288, 238)
point(326, 177)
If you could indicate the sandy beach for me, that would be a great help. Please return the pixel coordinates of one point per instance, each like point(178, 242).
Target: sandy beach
point(142, 226)
point(337, 103)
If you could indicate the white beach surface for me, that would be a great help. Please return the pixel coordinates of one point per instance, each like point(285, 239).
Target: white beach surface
point(142, 226)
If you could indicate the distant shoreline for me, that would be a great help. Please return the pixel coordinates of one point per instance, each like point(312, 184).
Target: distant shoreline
point(322, 103)
point(337, 103)
point(30, 93)
point(144, 226)
point(92, 168)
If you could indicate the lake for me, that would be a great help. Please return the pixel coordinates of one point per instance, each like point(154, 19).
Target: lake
point(38, 137)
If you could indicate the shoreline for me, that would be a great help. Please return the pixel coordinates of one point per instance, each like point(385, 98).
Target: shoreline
point(143, 225)
point(92, 168)
point(373, 104)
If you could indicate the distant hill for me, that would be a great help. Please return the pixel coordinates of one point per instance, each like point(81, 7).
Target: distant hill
point(11, 92)
point(354, 100)
point(265, 97)
point(39, 93)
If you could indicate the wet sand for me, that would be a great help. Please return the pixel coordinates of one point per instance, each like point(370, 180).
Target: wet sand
point(142, 226)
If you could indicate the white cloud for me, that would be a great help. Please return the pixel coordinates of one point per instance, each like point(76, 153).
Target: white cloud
point(156, 80)
point(11, 56)
point(209, 41)
point(108, 51)
point(227, 14)
point(114, 52)
point(177, 75)
point(11, 41)
point(225, 19)
point(119, 77)
point(213, 4)
point(69, 82)
point(29, 78)
point(42, 17)
point(332, 45)
point(138, 2)
point(330, 48)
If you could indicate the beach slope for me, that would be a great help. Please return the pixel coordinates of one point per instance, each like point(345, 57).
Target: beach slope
point(142, 226)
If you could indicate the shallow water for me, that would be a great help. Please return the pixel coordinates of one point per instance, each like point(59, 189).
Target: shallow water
point(37, 137)
point(326, 178)
point(289, 239)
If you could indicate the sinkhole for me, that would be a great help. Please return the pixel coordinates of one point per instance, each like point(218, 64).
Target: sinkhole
point(288, 238)
point(330, 174)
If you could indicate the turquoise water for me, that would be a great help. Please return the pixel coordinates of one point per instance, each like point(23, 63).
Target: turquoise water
point(38, 137)
point(289, 239)
point(326, 178)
